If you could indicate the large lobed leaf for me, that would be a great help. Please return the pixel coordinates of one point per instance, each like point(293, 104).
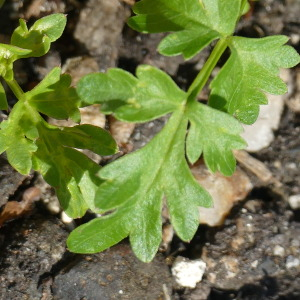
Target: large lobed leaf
point(194, 23)
point(251, 70)
point(135, 186)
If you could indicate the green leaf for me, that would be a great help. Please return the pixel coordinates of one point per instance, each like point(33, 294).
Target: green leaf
point(88, 137)
point(19, 153)
point(8, 54)
point(194, 23)
point(70, 172)
point(39, 37)
point(13, 139)
point(3, 142)
point(134, 190)
point(54, 97)
point(63, 170)
point(105, 231)
point(215, 134)
point(3, 100)
point(251, 70)
point(152, 94)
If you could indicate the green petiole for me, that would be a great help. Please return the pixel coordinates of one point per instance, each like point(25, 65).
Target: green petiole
point(208, 67)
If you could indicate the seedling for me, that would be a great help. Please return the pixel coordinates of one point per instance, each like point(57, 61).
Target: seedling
point(129, 192)
point(136, 184)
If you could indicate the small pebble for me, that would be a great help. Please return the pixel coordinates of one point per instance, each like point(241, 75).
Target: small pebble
point(67, 220)
point(279, 251)
point(187, 272)
point(292, 262)
point(294, 201)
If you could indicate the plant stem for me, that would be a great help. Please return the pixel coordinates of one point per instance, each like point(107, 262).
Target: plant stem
point(17, 90)
point(208, 67)
point(244, 3)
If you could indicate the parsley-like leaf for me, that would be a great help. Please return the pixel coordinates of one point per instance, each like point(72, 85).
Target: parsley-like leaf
point(152, 94)
point(251, 70)
point(135, 186)
point(194, 23)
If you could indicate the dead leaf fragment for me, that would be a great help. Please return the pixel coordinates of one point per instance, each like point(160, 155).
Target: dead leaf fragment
point(255, 166)
point(15, 209)
point(121, 131)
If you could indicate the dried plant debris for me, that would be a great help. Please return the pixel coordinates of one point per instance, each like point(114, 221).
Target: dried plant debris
point(14, 209)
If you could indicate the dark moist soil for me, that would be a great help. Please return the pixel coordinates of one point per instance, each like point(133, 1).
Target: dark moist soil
point(254, 255)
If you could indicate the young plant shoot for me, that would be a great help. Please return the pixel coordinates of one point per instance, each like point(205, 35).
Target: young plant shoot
point(135, 185)
point(130, 191)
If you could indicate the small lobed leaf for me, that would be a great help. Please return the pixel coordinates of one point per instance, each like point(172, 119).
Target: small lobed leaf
point(39, 37)
point(19, 153)
point(8, 54)
point(69, 171)
point(19, 149)
point(100, 234)
point(151, 95)
point(134, 188)
point(57, 169)
point(193, 23)
point(116, 85)
point(215, 134)
point(251, 70)
point(14, 140)
point(54, 97)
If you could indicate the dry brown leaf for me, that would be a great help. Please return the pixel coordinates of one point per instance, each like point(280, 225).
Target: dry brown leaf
point(15, 209)
point(121, 131)
point(255, 166)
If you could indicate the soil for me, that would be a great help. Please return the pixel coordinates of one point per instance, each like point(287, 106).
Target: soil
point(254, 255)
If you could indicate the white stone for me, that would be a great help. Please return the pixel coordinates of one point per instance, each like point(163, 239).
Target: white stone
point(65, 218)
point(292, 262)
point(260, 134)
point(226, 192)
point(254, 264)
point(279, 251)
point(294, 201)
point(295, 38)
point(188, 273)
